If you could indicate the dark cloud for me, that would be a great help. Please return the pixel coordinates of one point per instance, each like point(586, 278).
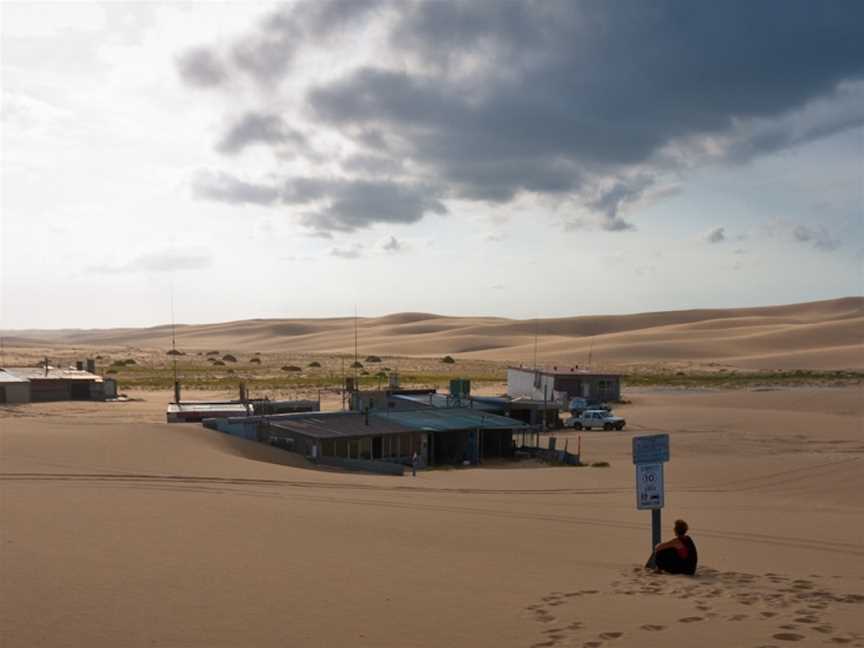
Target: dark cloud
point(201, 67)
point(615, 198)
point(355, 204)
point(226, 188)
point(375, 165)
point(716, 235)
point(392, 245)
point(819, 237)
point(338, 204)
point(584, 102)
point(259, 128)
point(268, 53)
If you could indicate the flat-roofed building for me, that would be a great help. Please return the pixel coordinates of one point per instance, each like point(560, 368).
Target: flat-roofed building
point(561, 386)
point(57, 384)
point(13, 389)
point(438, 436)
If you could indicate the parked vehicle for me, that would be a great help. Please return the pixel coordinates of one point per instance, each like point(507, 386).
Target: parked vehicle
point(595, 418)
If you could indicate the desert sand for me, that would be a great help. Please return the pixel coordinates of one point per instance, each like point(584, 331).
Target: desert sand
point(120, 530)
point(815, 335)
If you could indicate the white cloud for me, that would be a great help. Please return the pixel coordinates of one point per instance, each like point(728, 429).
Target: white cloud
point(164, 261)
point(354, 251)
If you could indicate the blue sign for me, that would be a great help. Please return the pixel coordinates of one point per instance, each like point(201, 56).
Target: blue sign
point(651, 449)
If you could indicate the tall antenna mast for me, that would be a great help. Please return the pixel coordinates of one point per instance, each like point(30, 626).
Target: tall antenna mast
point(173, 335)
point(536, 329)
point(355, 344)
point(174, 347)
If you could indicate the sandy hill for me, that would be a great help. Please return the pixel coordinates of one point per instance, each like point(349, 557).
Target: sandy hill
point(815, 335)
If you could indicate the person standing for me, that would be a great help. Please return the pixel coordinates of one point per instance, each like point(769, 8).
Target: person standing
point(415, 459)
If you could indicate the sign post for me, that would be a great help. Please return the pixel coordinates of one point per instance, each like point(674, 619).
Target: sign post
point(649, 455)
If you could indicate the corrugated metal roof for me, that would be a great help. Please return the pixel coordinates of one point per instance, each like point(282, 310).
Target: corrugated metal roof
point(440, 420)
point(207, 408)
point(334, 425)
point(446, 401)
point(569, 372)
point(53, 373)
point(6, 377)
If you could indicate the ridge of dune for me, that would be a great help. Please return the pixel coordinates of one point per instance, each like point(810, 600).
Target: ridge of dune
point(817, 334)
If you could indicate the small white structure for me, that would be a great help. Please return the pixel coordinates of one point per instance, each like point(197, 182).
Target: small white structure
point(13, 389)
point(559, 386)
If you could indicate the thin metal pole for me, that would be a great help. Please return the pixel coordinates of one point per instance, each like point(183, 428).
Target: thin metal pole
point(655, 528)
point(536, 326)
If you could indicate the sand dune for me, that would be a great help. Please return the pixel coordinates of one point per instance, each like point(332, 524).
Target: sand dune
point(120, 530)
point(815, 335)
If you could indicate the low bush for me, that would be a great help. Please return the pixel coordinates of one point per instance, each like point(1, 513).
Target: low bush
point(291, 368)
point(448, 360)
point(229, 358)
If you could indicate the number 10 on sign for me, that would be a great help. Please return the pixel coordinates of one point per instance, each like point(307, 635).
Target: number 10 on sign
point(649, 486)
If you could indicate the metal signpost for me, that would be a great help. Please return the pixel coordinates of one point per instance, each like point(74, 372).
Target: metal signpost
point(649, 455)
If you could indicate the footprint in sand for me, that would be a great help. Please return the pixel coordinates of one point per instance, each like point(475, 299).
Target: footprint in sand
point(840, 640)
point(788, 636)
point(768, 615)
point(610, 635)
point(737, 617)
point(592, 644)
point(653, 628)
point(692, 619)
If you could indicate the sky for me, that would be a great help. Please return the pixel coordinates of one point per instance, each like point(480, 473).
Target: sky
point(515, 159)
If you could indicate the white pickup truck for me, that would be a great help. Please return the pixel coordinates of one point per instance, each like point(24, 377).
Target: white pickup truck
point(595, 419)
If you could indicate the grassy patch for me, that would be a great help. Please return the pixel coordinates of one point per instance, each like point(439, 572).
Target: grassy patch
point(739, 379)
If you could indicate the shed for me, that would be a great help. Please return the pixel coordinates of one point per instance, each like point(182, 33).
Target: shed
point(13, 389)
point(192, 412)
point(560, 386)
point(56, 384)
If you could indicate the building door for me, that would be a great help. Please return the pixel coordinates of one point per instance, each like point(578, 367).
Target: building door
point(377, 452)
point(2, 394)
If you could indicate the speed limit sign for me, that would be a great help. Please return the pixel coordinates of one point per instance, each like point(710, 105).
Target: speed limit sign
point(649, 486)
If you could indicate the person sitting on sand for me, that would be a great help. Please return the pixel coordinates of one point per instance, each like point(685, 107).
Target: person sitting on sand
point(676, 556)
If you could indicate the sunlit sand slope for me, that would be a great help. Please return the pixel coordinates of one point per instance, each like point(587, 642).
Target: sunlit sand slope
point(815, 335)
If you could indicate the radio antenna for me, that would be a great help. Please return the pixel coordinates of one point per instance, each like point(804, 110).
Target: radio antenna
point(536, 336)
point(174, 347)
point(355, 345)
